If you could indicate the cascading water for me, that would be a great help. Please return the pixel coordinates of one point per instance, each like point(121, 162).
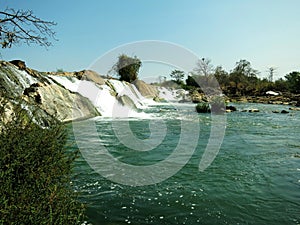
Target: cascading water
point(15, 79)
point(105, 97)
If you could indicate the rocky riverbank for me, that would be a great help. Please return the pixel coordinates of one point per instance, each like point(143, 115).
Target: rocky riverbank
point(280, 99)
point(283, 99)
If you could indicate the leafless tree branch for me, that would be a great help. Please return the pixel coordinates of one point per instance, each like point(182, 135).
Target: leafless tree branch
point(22, 26)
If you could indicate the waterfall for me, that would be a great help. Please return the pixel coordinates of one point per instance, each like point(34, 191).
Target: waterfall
point(15, 79)
point(71, 98)
point(108, 98)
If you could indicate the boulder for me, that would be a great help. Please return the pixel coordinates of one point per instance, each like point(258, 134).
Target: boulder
point(294, 109)
point(63, 104)
point(90, 75)
point(284, 111)
point(253, 110)
point(203, 107)
point(147, 90)
point(231, 108)
point(19, 63)
point(197, 97)
point(126, 101)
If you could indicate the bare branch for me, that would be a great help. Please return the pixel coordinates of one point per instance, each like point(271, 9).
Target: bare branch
point(204, 67)
point(23, 26)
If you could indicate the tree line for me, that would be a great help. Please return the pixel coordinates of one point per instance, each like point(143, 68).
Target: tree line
point(243, 80)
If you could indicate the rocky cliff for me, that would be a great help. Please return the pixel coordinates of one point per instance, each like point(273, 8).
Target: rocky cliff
point(72, 96)
point(42, 93)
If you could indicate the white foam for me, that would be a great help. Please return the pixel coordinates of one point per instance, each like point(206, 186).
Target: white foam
point(171, 95)
point(69, 83)
point(103, 97)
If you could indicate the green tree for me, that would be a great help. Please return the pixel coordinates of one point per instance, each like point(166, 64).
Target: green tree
point(281, 85)
point(293, 81)
point(222, 77)
point(177, 76)
point(128, 68)
point(22, 26)
point(243, 78)
point(243, 67)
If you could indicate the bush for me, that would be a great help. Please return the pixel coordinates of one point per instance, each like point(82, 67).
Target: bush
point(35, 172)
point(203, 107)
point(128, 67)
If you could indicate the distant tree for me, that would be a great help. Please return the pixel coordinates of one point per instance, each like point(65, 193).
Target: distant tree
point(243, 67)
point(60, 70)
point(222, 76)
point(177, 76)
point(204, 67)
point(281, 85)
point(293, 81)
point(127, 68)
point(18, 26)
point(244, 77)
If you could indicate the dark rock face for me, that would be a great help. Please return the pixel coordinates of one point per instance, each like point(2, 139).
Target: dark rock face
point(19, 63)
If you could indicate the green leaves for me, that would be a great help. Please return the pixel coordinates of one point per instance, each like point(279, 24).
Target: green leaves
point(293, 81)
point(35, 171)
point(177, 75)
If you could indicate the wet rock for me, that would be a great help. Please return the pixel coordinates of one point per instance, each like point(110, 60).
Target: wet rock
point(126, 101)
point(294, 109)
point(147, 90)
point(253, 110)
point(284, 111)
point(231, 108)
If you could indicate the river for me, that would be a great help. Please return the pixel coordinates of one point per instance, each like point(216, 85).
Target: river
point(253, 179)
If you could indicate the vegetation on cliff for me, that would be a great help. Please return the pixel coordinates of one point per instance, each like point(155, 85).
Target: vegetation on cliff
point(127, 67)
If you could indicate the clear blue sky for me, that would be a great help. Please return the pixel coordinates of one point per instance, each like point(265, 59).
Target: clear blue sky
point(264, 32)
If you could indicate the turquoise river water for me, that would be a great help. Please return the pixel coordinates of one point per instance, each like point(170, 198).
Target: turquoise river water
point(254, 179)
